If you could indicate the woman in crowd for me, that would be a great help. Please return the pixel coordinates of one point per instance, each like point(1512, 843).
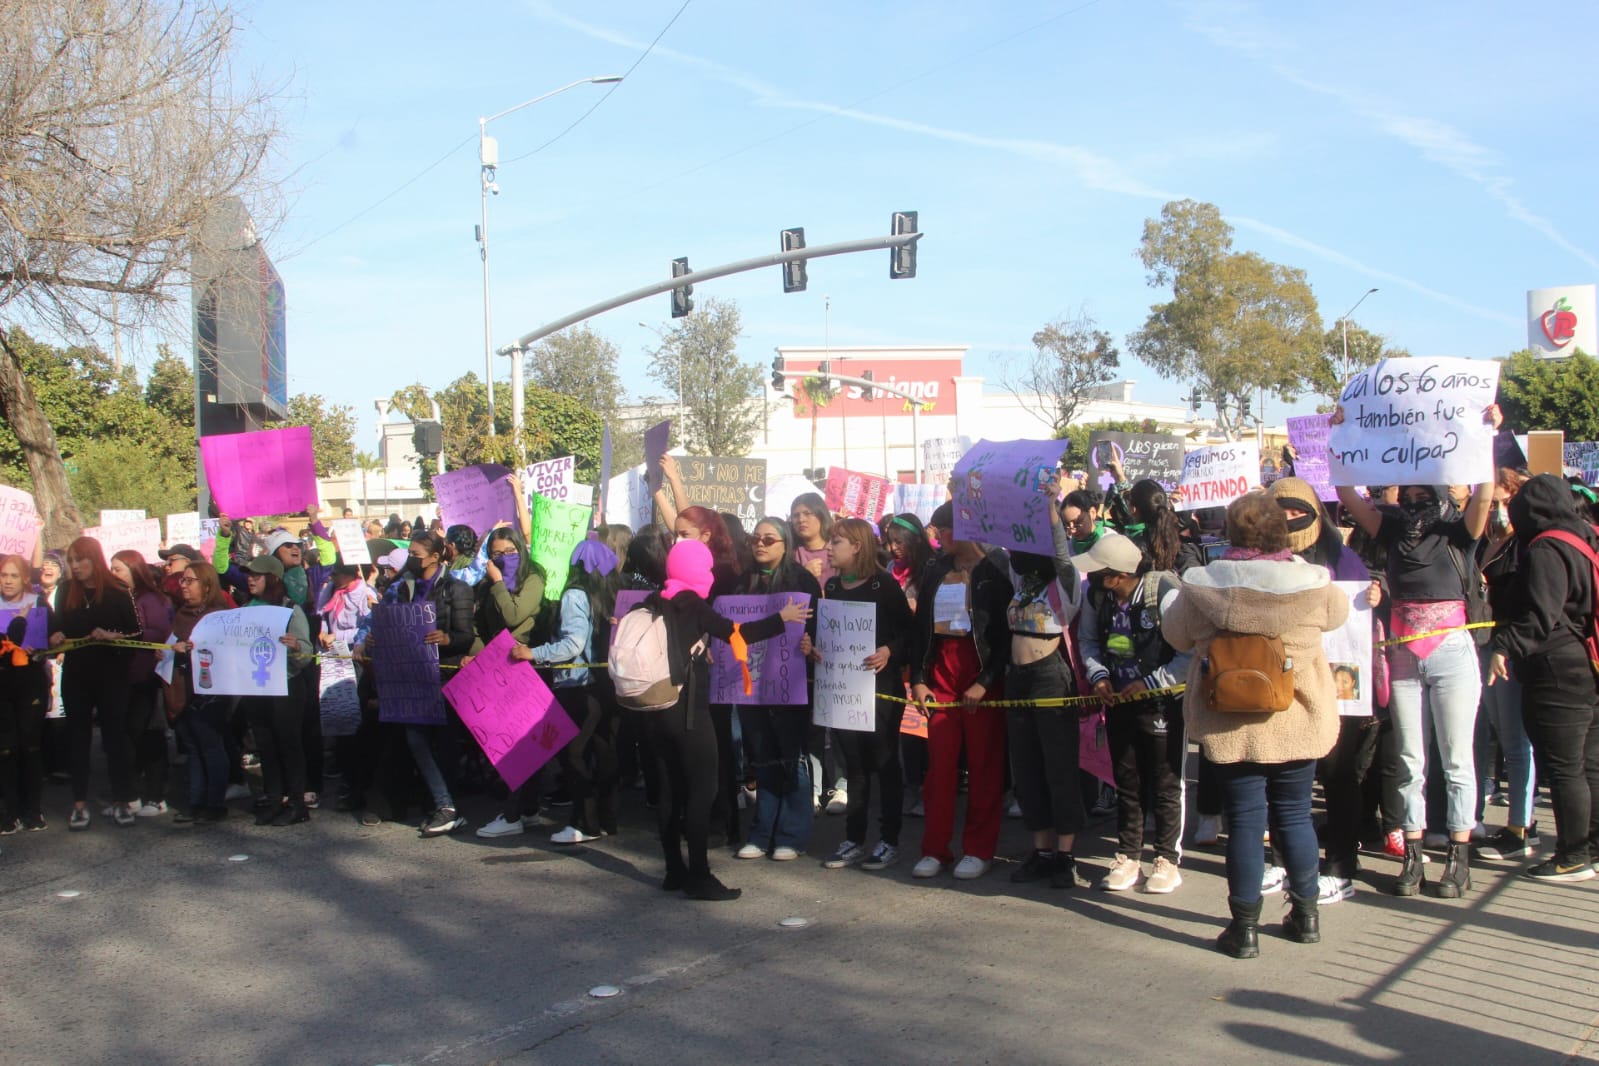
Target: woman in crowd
point(860, 578)
point(1147, 517)
point(684, 744)
point(588, 761)
point(147, 721)
point(643, 571)
point(775, 734)
point(509, 598)
point(812, 524)
point(959, 651)
point(1542, 632)
point(25, 621)
point(1266, 759)
point(201, 720)
point(909, 556)
point(94, 680)
point(343, 603)
point(276, 721)
point(1124, 655)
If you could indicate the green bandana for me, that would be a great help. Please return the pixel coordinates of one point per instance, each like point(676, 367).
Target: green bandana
point(295, 581)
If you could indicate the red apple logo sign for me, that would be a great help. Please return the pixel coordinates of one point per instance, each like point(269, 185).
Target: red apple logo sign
point(1559, 323)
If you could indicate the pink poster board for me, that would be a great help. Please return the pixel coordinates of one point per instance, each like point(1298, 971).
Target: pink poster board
point(270, 472)
point(19, 523)
point(510, 711)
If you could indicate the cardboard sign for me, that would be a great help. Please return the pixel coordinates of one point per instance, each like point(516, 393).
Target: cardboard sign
point(553, 478)
point(1546, 452)
point(777, 670)
point(1349, 652)
point(269, 472)
point(19, 523)
point(1218, 475)
point(183, 528)
point(856, 495)
point(1153, 456)
point(339, 703)
point(407, 666)
point(940, 456)
point(737, 486)
point(998, 493)
point(510, 712)
point(1416, 422)
point(557, 529)
point(846, 688)
point(240, 653)
point(143, 537)
point(1308, 435)
point(656, 440)
point(350, 538)
point(475, 496)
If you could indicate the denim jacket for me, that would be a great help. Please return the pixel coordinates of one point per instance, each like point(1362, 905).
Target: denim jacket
point(573, 643)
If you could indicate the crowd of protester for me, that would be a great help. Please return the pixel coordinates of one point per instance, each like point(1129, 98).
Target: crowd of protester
point(1133, 609)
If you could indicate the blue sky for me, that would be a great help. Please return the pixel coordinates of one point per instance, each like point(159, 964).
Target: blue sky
point(1433, 150)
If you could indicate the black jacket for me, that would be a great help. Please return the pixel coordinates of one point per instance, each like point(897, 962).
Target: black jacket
point(1550, 604)
point(453, 609)
point(895, 623)
point(689, 620)
point(113, 610)
point(991, 591)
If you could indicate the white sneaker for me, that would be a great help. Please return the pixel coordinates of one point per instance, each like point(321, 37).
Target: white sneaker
point(970, 868)
point(746, 798)
point(1331, 890)
point(150, 810)
point(571, 835)
point(1014, 810)
point(1163, 878)
point(1207, 831)
point(927, 866)
point(237, 792)
point(839, 802)
point(1124, 873)
point(501, 828)
point(848, 853)
point(1273, 880)
point(784, 853)
point(883, 856)
point(749, 851)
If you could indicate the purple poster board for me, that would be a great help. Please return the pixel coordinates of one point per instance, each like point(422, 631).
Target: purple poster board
point(510, 711)
point(34, 637)
point(407, 667)
point(476, 496)
point(269, 472)
point(1308, 435)
point(656, 440)
point(777, 670)
point(996, 493)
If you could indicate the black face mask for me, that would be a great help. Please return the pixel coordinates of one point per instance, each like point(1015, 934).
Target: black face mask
point(1420, 515)
point(413, 565)
point(1300, 523)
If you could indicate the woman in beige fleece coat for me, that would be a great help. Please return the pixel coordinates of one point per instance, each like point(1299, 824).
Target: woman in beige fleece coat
point(1266, 759)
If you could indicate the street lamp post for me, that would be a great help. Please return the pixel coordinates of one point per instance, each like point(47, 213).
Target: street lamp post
point(1344, 322)
point(488, 151)
point(681, 424)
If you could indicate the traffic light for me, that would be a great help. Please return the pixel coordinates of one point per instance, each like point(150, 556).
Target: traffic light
point(794, 270)
point(866, 390)
point(902, 260)
point(428, 438)
point(777, 373)
point(1195, 399)
point(682, 304)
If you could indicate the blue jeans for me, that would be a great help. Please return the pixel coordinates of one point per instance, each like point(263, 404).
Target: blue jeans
point(203, 724)
point(1501, 704)
point(774, 747)
point(419, 738)
point(1437, 695)
point(1278, 793)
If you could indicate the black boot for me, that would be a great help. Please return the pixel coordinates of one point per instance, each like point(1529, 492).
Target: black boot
point(1413, 874)
point(1241, 938)
point(1303, 924)
point(1456, 881)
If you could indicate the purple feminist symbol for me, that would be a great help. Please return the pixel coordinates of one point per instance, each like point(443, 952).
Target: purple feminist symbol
point(262, 653)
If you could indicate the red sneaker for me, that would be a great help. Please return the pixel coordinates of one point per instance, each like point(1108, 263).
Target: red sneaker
point(1394, 843)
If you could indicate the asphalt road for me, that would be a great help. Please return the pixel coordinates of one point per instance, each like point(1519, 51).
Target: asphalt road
point(330, 943)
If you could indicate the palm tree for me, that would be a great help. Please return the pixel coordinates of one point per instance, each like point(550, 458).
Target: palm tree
point(818, 392)
point(366, 462)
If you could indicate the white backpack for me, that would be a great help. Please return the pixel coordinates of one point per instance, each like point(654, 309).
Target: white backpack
point(640, 661)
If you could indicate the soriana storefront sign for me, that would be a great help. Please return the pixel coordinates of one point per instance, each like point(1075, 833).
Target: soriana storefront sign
point(931, 381)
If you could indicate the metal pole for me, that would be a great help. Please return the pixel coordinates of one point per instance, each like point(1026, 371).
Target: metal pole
point(483, 249)
point(518, 403)
point(916, 440)
point(1344, 321)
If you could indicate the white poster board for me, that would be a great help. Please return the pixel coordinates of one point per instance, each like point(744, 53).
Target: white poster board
point(183, 528)
point(240, 653)
point(1349, 652)
point(845, 688)
point(349, 536)
point(1415, 422)
point(116, 518)
point(1217, 475)
point(142, 536)
point(553, 478)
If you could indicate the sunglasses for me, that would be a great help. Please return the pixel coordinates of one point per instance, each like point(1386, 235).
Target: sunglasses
point(765, 541)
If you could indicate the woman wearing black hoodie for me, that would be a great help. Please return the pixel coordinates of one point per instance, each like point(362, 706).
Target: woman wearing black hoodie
point(1542, 635)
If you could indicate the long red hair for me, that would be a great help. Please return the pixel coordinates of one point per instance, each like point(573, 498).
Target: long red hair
point(143, 580)
point(708, 521)
point(77, 594)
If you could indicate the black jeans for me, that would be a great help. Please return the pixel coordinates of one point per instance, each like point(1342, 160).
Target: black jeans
point(868, 754)
point(147, 740)
point(1045, 744)
point(1138, 757)
point(1342, 772)
point(588, 763)
point(1560, 706)
point(688, 767)
point(23, 705)
point(93, 685)
point(275, 723)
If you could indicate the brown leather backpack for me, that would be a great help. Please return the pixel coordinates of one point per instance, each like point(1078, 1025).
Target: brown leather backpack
point(1247, 673)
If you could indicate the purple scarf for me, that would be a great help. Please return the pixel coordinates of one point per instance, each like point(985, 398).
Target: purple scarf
point(1244, 555)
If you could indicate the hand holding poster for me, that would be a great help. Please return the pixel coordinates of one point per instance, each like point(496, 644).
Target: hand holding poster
point(998, 494)
point(241, 652)
point(1218, 475)
point(272, 471)
point(1349, 652)
point(510, 711)
point(143, 537)
point(657, 439)
point(19, 523)
point(846, 688)
point(407, 665)
point(1416, 422)
point(476, 496)
point(557, 529)
point(1308, 435)
point(777, 670)
point(855, 495)
point(350, 539)
point(340, 703)
point(1156, 456)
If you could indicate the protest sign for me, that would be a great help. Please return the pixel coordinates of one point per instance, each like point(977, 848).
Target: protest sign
point(777, 670)
point(19, 523)
point(1308, 435)
point(939, 456)
point(657, 439)
point(350, 538)
point(781, 492)
point(1218, 475)
point(1508, 451)
point(407, 667)
point(120, 517)
point(913, 721)
point(856, 495)
point(552, 478)
point(475, 496)
point(1349, 652)
point(165, 660)
point(605, 472)
point(1546, 452)
point(35, 627)
point(510, 711)
point(582, 495)
point(1583, 457)
point(846, 688)
point(183, 528)
point(268, 472)
point(557, 529)
point(737, 486)
point(998, 493)
point(209, 528)
point(628, 500)
point(1093, 748)
point(1415, 422)
point(1155, 456)
point(919, 500)
point(143, 537)
point(241, 653)
point(339, 702)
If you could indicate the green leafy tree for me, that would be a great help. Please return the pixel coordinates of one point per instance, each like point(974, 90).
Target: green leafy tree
point(332, 431)
point(1541, 394)
point(1236, 324)
point(1365, 349)
point(1071, 357)
point(170, 387)
point(124, 472)
point(580, 364)
point(719, 393)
